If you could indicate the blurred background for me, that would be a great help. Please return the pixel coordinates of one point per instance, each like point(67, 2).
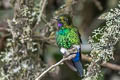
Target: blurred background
point(85, 16)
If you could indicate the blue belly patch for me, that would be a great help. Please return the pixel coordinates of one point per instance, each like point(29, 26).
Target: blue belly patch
point(77, 57)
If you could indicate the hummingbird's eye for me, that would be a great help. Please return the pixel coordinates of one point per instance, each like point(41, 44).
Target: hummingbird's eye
point(58, 20)
point(67, 21)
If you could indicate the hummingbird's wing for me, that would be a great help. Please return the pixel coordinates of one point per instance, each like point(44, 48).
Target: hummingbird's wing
point(80, 37)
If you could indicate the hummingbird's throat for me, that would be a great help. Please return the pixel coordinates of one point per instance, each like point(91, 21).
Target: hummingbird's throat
point(60, 24)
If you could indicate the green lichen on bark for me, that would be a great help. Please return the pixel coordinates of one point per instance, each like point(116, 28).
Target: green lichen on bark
point(21, 59)
point(103, 41)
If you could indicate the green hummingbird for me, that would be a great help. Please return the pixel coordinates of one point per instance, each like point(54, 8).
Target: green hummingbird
point(67, 37)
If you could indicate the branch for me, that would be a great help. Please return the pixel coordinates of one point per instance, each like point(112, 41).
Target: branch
point(68, 56)
point(42, 5)
point(41, 11)
point(98, 5)
point(4, 29)
point(85, 58)
point(104, 64)
point(51, 67)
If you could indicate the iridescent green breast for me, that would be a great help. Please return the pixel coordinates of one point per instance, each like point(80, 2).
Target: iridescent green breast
point(67, 37)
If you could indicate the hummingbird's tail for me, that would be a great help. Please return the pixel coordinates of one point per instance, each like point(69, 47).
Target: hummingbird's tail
point(77, 63)
point(79, 68)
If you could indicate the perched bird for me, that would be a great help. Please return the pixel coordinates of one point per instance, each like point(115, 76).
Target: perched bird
point(67, 37)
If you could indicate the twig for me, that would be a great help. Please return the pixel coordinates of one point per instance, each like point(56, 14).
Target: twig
point(104, 64)
point(98, 4)
point(111, 66)
point(41, 11)
point(4, 29)
point(51, 67)
point(42, 5)
point(84, 57)
point(48, 23)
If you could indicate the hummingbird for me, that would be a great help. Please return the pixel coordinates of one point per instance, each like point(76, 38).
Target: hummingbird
point(68, 36)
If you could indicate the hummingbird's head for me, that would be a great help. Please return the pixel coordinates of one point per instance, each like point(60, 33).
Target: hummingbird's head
point(64, 20)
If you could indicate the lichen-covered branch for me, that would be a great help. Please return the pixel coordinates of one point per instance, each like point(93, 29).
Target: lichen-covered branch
point(21, 57)
point(103, 41)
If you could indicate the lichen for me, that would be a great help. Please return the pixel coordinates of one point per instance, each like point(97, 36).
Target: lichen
point(103, 41)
